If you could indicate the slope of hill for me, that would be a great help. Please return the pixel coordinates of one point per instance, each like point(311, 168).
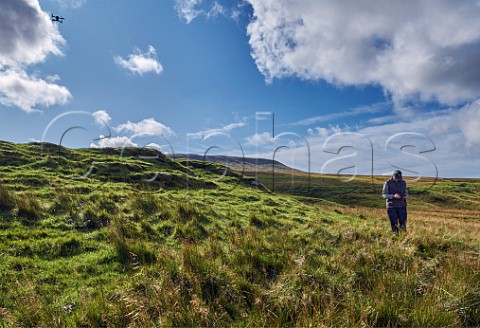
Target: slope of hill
point(101, 237)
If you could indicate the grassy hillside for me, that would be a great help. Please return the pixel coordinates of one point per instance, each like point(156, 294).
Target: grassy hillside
point(110, 238)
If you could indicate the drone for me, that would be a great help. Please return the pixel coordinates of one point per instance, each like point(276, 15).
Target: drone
point(59, 19)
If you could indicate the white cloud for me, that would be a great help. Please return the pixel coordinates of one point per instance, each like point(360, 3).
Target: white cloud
point(188, 9)
point(141, 63)
point(27, 37)
point(101, 117)
point(413, 50)
point(75, 4)
point(259, 139)
point(469, 123)
point(114, 142)
point(235, 14)
point(217, 10)
point(155, 146)
point(225, 129)
point(19, 89)
point(52, 78)
point(146, 127)
point(326, 132)
point(371, 109)
point(382, 119)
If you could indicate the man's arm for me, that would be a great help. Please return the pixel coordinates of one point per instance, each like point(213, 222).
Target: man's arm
point(385, 193)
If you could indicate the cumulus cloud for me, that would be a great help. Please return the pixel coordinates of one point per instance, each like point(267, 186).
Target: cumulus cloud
point(19, 89)
point(27, 37)
point(413, 50)
point(259, 139)
point(155, 146)
point(101, 117)
point(141, 63)
point(146, 127)
point(26, 33)
point(469, 123)
point(114, 142)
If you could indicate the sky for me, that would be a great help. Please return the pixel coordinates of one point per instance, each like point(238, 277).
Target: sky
point(351, 87)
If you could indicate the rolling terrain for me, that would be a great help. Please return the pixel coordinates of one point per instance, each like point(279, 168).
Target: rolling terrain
point(111, 237)
point(240, 164)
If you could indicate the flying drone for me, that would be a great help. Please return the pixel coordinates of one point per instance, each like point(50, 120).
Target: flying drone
point(59, 19)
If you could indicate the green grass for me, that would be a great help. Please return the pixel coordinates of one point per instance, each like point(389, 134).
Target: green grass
point(188, 249)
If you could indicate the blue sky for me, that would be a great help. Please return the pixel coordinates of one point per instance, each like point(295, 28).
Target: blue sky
point(340, 79)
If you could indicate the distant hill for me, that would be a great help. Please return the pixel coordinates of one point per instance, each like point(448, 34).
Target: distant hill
point(241, 164)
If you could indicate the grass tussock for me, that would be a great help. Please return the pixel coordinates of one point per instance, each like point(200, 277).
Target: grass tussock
point(8, 200)
point(29, 208)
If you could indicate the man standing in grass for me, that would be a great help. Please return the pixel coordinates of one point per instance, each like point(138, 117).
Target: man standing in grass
point(395, 192)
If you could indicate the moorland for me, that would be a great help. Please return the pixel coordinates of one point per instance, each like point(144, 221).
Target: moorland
point(111, 237)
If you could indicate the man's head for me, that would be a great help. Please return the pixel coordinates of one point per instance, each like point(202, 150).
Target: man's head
point(397, 175)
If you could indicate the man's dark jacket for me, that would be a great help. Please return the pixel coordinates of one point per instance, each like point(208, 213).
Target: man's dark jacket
point(391, 188)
